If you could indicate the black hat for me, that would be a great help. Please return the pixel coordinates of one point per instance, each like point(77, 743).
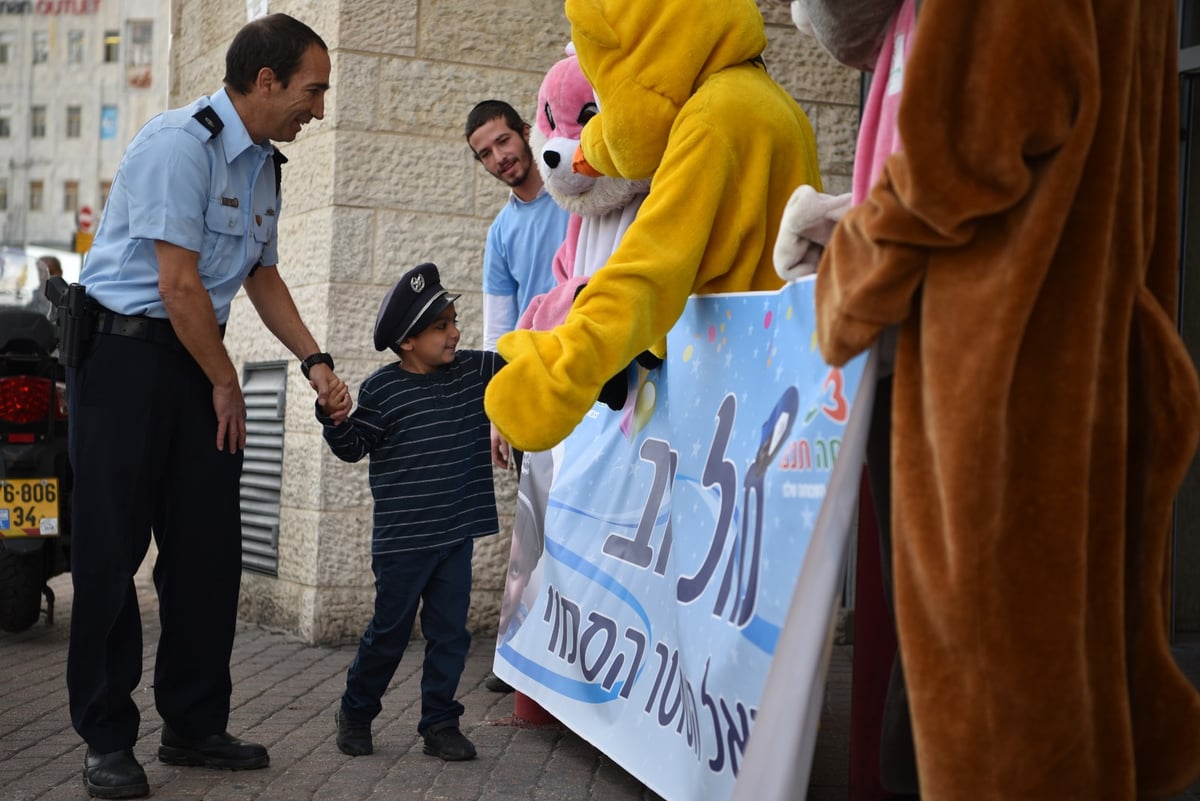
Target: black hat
point(410, 305)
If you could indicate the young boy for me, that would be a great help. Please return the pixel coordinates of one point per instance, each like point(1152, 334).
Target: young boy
point(421, 420)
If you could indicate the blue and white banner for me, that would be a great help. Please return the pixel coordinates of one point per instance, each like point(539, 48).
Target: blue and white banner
point(657, 549)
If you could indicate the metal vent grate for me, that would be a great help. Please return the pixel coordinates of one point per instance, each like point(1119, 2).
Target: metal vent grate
point(264, 386)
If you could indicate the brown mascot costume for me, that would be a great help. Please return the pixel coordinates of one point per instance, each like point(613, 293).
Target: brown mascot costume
point(1024, 240)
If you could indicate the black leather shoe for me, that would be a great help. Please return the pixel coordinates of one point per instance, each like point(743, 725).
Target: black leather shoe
point(448, 743)
point(114, 775)
point(353, 736)
point(214, 751)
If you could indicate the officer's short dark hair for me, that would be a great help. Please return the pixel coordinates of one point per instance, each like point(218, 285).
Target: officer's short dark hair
point(276, 41)
point(488, 110)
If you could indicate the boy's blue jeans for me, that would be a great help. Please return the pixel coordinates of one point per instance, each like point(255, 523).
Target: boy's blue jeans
point(440, 578)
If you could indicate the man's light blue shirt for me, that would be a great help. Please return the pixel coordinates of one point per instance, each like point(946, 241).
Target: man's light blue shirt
point(521, 244)
point(215, 196)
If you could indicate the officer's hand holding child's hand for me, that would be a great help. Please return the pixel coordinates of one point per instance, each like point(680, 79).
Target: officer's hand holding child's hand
point(333, 397)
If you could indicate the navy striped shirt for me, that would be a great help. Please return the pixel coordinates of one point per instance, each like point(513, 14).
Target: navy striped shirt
point(430, 448)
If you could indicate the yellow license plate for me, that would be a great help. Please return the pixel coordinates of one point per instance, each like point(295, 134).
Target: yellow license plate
point(29, 507)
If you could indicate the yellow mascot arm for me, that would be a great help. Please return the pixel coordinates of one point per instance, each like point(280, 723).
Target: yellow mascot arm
point(553, 378)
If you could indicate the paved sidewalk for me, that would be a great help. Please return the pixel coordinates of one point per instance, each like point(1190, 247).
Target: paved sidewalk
point(285, 693)
point(284, 696)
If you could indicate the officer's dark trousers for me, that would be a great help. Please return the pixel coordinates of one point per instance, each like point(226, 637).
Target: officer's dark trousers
point(440, 579)
point(143, 450)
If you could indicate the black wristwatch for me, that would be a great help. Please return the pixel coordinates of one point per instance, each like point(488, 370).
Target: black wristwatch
point(316, 358)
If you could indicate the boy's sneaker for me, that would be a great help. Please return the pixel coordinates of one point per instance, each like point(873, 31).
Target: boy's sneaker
point(448, 743)
point(353, 737)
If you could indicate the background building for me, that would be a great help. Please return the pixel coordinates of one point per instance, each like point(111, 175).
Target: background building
point(78, 78)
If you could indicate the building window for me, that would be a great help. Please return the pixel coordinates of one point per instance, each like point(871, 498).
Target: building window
point(70, 196)
point(75, 47)
point(1189, 25)
point(74, 121)
point(105, 188)
point(6, 111)
point(37, 122)
point(3, 195)
point(41, 47)
point(37, 191)
point(112, 47)
point(139, 52)
point(8, 47)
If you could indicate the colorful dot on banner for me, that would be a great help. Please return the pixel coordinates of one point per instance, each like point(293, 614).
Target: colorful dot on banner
point(813, 344)
point(643, 409)
point(789, 312)
point(712, 333)
point(688, 352)
point(767, 320)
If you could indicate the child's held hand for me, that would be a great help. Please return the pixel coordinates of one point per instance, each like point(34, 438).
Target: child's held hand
point(334, 399)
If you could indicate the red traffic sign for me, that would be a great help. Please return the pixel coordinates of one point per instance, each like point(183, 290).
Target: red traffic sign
point(86, 219)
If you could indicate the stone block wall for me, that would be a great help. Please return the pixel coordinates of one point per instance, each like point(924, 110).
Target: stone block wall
point(382, 183)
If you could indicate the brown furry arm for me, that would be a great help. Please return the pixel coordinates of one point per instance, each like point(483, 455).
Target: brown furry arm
point(991, 92)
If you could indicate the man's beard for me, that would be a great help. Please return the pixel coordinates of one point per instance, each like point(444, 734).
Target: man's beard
point(524, 165)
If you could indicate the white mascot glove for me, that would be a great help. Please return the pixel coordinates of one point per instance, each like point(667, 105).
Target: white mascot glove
point(808, 222)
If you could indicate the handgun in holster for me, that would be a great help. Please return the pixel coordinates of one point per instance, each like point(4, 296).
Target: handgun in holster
point(75, 320)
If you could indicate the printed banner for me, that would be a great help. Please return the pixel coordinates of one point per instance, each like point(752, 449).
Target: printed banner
point(656, 550)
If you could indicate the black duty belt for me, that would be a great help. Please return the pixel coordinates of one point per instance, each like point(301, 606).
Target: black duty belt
point(148, 329)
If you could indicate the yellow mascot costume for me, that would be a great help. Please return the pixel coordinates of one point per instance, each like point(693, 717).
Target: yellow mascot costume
point(684, 97)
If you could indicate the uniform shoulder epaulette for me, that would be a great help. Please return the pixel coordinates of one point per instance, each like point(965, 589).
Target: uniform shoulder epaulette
point(207, 117)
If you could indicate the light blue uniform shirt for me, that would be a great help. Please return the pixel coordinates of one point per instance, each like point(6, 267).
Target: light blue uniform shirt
point(214, 195)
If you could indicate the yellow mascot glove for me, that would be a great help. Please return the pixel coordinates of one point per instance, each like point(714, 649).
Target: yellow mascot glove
point(543, 392)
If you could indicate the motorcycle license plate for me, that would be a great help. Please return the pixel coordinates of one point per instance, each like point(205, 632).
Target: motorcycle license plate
point(29, 507)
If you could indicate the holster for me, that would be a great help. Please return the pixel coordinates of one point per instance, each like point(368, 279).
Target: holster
point(75, 320)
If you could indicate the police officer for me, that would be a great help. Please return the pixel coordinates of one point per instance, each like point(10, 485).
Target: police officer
point(158, 422)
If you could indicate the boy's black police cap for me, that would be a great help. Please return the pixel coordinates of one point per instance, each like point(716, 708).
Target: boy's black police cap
point(411, 305)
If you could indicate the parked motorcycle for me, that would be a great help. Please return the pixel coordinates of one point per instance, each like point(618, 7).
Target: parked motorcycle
point(35, 474)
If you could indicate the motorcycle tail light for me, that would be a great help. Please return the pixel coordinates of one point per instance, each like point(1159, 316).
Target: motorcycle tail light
point(24, 399)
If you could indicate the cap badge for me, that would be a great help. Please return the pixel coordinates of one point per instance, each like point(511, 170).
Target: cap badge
point(417, 283)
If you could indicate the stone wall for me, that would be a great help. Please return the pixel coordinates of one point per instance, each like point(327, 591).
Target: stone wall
point(384, 182)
